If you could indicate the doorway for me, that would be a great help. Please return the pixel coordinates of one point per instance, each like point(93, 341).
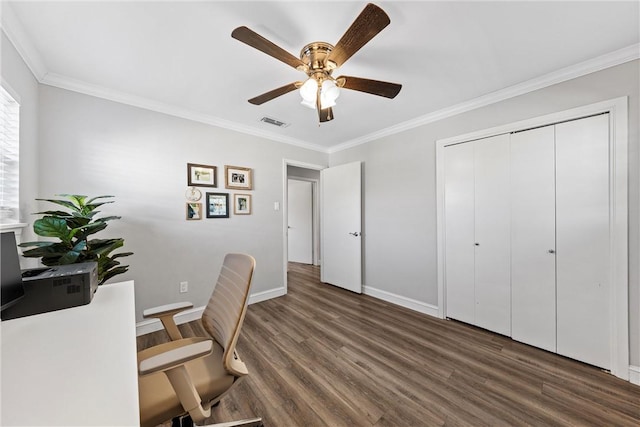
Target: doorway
point(305, 178)
point(302, 227)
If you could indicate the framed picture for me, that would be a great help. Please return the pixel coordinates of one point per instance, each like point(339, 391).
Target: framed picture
point(238, 178)
point(201, 175)
point(194, 211)
point(242, 204)
point(217, 205)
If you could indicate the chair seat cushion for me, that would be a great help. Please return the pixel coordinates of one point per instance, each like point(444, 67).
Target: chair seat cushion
point(158, 401)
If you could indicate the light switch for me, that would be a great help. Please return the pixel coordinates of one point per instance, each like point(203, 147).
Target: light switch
point(276, 206)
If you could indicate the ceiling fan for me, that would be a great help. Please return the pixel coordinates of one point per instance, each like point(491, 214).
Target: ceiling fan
point(318, 60)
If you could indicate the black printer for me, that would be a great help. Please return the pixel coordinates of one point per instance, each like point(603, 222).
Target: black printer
point(51, 288)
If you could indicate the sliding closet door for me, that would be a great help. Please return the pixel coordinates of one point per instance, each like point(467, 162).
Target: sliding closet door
point(492, 235)
point(582, 209)
point(533, 264)
point(459, 232)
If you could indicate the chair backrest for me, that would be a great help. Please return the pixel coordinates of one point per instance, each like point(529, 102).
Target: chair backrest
point(225, 311)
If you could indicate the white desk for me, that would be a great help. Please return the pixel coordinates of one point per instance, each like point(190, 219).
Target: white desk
point(73, 367)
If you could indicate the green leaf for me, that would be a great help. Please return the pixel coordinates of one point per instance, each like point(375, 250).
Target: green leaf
point(50, 226)
point(107, 218)
point(106, 249)
point(87, 231)
point(121, 254)
point(77, 222)
point(94, 206)
point(72, 256)
point(65, 203)
point(109, 274)
point(77, 199)
point(38, 244)
point(93, 199)
point(54, 213)
point(53, 250)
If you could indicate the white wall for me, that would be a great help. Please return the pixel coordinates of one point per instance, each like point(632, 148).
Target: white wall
point(93, 146)
point(400, 191)
point(20, 83)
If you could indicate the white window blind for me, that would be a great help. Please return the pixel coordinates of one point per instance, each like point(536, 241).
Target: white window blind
point(9, 158)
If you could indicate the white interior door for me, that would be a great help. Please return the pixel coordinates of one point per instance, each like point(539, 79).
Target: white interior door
point(341, 220)
point(492, 235)
point(533, 238)
point(300, 221)
point(459, 232)
point(582, 238)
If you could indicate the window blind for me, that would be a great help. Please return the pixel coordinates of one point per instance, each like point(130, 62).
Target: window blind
point(9, 158)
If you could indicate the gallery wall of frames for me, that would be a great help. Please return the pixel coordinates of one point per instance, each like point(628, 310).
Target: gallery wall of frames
point(217, 204)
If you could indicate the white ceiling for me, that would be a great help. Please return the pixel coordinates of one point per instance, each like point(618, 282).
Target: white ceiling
point(178, 57)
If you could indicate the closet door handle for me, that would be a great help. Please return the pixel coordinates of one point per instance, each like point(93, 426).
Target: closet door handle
point(477, 244)
point(551, 251)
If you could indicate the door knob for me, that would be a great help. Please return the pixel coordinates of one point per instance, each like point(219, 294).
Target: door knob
point(551, 251)
point(356, 234)
point(477, 244)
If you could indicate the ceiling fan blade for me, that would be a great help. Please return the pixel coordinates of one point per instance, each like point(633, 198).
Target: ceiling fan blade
point(374, 87)
point(255, 40)
point(268, 96)
point(367, 25)
point(325, 115)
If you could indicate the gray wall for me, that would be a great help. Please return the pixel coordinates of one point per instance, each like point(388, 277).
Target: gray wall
point(400, 190)
point(92, 146)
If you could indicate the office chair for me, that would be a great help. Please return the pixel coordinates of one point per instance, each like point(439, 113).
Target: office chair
point(190, 375)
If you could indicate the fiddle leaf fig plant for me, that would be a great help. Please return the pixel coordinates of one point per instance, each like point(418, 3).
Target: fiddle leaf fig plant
point(73, 227)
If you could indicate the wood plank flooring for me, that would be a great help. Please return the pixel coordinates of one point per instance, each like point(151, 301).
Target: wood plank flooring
point(322, 356)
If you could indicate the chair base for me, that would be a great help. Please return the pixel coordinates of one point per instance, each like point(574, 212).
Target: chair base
point(186, 421)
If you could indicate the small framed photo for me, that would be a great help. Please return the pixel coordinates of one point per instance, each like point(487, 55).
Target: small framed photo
point(201, 175)
point(242, 204)
point(238, 178)
point(217, 205)
point(194, 211)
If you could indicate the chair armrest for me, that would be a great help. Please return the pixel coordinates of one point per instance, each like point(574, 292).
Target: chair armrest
point(168, 309)
point(165, 313)
point(172, 364)
point(176, 357)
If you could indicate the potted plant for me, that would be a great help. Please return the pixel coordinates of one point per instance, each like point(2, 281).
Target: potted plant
point(73, 228)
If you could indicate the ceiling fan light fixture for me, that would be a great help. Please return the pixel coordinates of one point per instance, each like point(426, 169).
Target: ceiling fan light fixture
point(309, 104)
point(308, 91)
point(329, 93)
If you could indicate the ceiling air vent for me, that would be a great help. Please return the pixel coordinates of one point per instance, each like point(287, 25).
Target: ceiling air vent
point(274, 122)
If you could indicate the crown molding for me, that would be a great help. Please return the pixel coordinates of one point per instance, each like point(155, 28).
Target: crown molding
point(64, 82)
point(15, 33)
point(621, 56)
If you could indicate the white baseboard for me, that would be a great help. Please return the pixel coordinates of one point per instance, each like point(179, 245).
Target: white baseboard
point(153, 325)
point(265, 295)
point(634, 374)
point(419, 306)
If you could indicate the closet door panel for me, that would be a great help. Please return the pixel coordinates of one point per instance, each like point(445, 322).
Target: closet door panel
point(492, 235)
point(582, 175)
point(459, 249)
point(533, 271)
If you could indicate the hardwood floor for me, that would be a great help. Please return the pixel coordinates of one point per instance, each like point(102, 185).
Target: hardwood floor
point(322, 356)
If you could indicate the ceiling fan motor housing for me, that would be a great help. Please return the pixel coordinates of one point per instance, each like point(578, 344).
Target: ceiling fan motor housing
point(315, 55)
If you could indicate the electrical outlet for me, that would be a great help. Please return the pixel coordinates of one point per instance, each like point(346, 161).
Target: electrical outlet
point(184, 287)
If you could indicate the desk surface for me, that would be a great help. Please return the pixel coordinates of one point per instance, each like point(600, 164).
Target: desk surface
point(73, 367)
